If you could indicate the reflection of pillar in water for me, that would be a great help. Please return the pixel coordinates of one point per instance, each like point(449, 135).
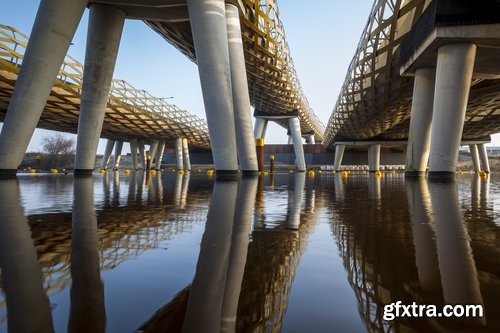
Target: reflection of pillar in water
point(419, 205)
point(132, 186)
point(245, 202)
point(203, 313)
point(87, 291)
point(28, 307)
point(459, 277)
point(260, 217)
point(141, 183)
point(158, 188)
point(338, 184)
point(475, 193)
point(116, 188)
point(178, 190)
point(184, 191)
point(310, 200)
point(374, 187)
point(296, 204)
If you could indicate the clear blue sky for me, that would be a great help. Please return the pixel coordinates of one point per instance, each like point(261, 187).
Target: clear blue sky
point(321, 34)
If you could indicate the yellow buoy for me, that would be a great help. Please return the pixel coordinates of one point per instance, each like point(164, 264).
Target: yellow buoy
point(345, 174)
point(153, 172)
point(265, 173)
point(102, 171)
point(126, 171)
point(180, 172)
point(32, 170)
point(311, 173)
point(210, 172)
point(378, 173)
point(482, 174)
point(54, 171)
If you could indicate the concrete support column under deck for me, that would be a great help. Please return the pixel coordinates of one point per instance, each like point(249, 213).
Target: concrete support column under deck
point(103, 39)
point(483, 156)
point(178, 154)
point(153, 146)
point(118, 153)
point(339, 155)
point(419, 137)
point(294, 125)
point(290, 140)
point(311, 139)
point(374, 158)
point(260, 128)
point(208, 25)
point(453, 76)
point(474, 154)
point(142, 152)
point(159, 155)
point(55, 25)
point(185, 154)
point(107, 153)
point(245, 139)
point(133, 153)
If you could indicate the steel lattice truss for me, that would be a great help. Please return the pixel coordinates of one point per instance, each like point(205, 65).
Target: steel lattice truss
point(375, 101)
point(272, 80)
point(131, 113)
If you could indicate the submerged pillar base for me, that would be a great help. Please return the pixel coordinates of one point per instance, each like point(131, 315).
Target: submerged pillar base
point(8, 173)
point(82, 172)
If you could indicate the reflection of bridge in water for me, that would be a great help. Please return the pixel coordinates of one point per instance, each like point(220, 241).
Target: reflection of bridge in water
point(434, 252)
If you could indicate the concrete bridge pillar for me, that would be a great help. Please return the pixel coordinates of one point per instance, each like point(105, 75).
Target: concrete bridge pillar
point(142, 152)
point(311, 139)
point(208, 25)
point(133, 153)
point(53, 30)
point(118, 153)
point(185, 154)
point(159, 154)
point(179, 154)
point(339, 155)
point(419, 138)
point(290, 139)
point(295, 131)
point(483, 155)
point(260, 128)
point(474, 154)
point(374, 158)
point(107, 153)
point(245, 140)
point(103, 39)
point(153, 147)
point(455, 64)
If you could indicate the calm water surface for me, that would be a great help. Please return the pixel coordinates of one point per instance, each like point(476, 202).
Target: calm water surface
point(284, 253)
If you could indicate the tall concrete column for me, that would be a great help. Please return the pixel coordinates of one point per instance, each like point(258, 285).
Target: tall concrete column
point(22, 278)
point(153, 147)
point(87, 289)
point(55, 25)
point(311, 140)
point(290, 140)
point(103, 39)
point(208, 25)
point(245, 140)
point(453, 76)
point(185, 154)
point(339, 155)
point(260, 128)
point(374, 158)
point(419, 137)
point(159, 154)
point(483, 156)
point(133, 153)
point(107, 153)
point(142, 152)
point(474, 154)
point(118, 153)
point(178, 154)
point(294, 125)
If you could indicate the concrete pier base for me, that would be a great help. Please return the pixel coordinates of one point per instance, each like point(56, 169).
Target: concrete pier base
point(419, 137)
point(374, 158)
point(103, 39)
point(53, 30)
point(453, 76)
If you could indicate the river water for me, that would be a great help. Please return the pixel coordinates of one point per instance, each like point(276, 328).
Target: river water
point(283, 253)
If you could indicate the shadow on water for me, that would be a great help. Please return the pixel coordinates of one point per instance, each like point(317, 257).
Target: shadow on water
point(397, 240)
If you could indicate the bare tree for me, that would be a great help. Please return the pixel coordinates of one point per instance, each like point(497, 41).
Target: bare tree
point(59, 150)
